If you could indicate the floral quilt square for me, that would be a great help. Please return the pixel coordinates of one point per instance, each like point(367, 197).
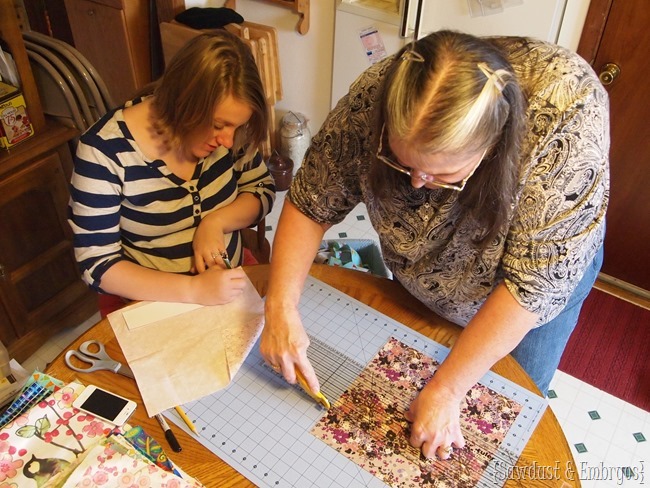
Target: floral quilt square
point(367, 424)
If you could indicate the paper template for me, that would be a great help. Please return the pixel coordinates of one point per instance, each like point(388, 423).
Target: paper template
point(181, 357)
point(152, 312)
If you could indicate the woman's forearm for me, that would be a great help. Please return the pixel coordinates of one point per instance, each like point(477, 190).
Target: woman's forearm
point(295, 245)
point(492, 334)
point(239, 214)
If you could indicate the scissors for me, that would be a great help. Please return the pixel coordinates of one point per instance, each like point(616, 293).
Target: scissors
point(98, 360)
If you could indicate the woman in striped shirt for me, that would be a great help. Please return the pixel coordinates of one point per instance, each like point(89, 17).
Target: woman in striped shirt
point(162, 186)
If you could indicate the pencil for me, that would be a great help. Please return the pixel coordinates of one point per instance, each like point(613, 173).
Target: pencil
point(186, 419)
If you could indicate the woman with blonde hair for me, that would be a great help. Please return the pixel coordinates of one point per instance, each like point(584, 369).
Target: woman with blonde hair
point(483, 163)
point(162, 186)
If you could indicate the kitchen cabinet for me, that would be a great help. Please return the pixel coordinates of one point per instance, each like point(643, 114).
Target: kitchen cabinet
point(114, 36)
point(41, 291)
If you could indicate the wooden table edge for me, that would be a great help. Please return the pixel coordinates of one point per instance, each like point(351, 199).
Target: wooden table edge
point(546, 452)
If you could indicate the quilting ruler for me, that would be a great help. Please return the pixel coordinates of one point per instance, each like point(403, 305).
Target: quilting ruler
point(261, 425)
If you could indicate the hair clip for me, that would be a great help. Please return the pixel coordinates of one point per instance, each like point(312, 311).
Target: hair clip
point(411, 55)
point(493, 76)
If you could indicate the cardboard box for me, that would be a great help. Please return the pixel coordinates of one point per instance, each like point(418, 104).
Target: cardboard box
point(15, 125)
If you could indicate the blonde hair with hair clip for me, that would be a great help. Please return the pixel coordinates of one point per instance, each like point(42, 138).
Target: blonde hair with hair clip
point(492, 89)
point(498, 78)
point(460, 96)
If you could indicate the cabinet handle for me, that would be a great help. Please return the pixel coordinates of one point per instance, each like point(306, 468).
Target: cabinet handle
point(2, 272)
point(91, 12)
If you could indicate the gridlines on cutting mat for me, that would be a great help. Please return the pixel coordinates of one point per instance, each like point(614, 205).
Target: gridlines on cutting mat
point(260, 425)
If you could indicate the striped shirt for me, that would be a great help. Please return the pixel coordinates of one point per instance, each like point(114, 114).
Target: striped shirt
point(126, 207)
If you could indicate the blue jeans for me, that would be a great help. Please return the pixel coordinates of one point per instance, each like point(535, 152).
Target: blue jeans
point(540, 350)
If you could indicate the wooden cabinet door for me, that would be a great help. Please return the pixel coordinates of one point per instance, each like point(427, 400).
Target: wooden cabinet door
point(114, 36)
point(39, 272)
point(7, 332)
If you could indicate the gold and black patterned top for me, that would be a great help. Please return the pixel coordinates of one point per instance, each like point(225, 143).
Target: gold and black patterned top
point(558, 220)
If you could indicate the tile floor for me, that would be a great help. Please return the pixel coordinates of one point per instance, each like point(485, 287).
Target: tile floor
point(610, 438)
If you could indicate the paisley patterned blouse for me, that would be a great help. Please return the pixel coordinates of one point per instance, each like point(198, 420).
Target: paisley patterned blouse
point(558, 222)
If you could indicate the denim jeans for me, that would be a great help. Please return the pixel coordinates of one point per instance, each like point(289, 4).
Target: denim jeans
point(540, 350)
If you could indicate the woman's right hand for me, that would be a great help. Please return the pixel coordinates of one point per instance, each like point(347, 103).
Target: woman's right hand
point(284, 344)
point(216, 286)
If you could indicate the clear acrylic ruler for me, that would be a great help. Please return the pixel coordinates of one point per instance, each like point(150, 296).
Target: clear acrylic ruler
point(261, 425)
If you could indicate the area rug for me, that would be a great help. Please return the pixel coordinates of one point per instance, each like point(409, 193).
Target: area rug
point(609, 348)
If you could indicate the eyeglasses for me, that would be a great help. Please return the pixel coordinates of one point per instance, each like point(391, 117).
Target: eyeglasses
point(430, 179)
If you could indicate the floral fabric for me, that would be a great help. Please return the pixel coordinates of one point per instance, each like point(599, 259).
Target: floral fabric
point(41, 444)
point(54, 445)
point(114, 463)
point(367, 423)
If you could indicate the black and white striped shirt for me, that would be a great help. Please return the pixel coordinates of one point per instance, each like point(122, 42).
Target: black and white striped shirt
point(123, 206)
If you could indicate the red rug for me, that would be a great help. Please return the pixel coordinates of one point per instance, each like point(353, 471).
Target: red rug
point(609, 348)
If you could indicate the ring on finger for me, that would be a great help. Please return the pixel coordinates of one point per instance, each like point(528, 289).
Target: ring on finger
point(214, 256)
point(447, 450)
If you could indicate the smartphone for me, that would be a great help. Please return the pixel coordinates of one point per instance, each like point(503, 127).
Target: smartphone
point(105, 405)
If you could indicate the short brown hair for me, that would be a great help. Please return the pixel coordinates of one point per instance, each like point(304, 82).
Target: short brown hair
point(206, 70)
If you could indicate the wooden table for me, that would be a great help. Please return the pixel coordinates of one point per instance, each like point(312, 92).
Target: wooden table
point(547, 451)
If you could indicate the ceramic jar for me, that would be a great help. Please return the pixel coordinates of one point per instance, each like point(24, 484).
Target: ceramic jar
point(281, 168)
point(294, 137)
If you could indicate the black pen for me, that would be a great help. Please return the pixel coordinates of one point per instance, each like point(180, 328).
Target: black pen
point(169, 435)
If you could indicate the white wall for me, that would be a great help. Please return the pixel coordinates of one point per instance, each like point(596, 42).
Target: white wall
point(306, 61)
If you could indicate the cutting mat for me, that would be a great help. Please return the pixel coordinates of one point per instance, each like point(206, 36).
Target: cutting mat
point(261, 425)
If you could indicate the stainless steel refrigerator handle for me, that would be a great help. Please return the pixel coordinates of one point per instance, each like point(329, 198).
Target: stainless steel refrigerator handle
point(418, 20)
point(406, 15)
point(404, 21)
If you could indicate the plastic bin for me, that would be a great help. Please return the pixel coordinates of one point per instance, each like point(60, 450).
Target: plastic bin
point(368, 251)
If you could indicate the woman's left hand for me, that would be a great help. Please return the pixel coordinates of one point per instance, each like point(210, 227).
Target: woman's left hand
point(435, 417)
point(207, 245)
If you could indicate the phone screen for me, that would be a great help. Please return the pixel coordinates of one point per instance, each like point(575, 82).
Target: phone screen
point(104, 404)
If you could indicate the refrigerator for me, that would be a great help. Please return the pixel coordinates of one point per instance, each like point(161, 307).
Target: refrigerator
point(366, 31)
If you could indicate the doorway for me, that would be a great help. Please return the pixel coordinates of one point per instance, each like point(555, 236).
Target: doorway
point(616, 33)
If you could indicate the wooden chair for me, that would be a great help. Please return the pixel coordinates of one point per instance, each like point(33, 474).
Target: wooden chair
point(256, 242)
